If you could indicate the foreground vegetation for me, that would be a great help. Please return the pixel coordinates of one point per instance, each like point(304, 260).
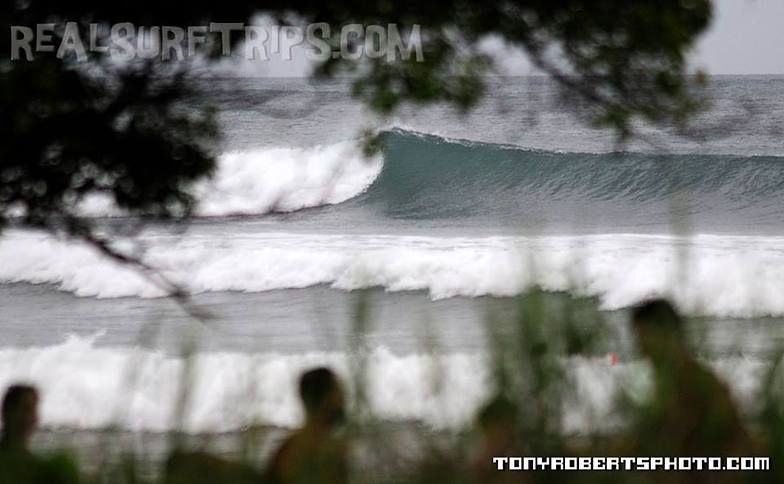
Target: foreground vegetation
point(687, 414)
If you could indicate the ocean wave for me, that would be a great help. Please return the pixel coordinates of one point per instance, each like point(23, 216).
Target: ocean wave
point(424, 176)
point(716, 275)
point(92, 387)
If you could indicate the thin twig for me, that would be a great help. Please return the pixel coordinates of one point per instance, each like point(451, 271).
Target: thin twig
point(177, 292)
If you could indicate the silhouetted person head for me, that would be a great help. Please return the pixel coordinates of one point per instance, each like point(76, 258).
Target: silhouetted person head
point(659, 330)
point(322, 396)
point(498, 422)
point(19, 414)
point(314, 453)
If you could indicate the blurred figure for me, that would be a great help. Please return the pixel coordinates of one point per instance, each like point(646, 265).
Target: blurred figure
point(314, 454)
point(17, 464)
point(20, 419)
point(497, 422)
point(691, 412)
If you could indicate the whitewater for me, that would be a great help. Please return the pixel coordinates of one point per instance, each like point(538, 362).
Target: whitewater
point(729, 276)
point(398, 220)
point(89, 387)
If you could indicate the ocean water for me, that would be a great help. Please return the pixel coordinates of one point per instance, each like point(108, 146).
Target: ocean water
point(459, 213)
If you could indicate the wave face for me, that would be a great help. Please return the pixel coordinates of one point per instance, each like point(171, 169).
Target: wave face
point(426, 176)
point(727, 276)
point(91, 387)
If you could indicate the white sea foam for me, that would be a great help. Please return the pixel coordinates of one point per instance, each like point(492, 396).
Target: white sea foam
point(275, 179)
point(733, 276)
point(287, 179)
point(88, 387)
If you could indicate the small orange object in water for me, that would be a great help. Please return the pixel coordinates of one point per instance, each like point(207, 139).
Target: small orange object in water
point(613, 358)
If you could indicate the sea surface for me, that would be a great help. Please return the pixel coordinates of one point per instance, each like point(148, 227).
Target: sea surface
point(458, 214)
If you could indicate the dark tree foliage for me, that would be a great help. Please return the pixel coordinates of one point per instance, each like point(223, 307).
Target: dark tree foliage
point(66, 135)
point(71, 129)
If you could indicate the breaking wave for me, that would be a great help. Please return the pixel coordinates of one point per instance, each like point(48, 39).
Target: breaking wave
point(735, 276)
point(420, 176)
